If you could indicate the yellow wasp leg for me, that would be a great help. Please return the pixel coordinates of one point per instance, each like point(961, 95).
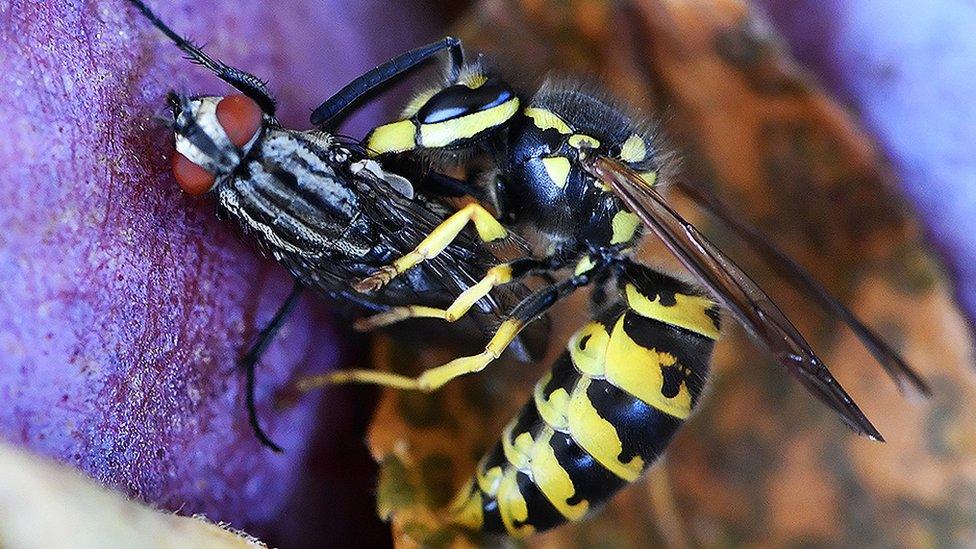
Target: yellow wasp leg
point(528, 310)
point(488, 228)
point(432, 379)
point(397, 314)
point(498, 275)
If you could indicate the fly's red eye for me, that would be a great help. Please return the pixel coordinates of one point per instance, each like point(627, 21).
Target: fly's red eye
point(240, 117)
point(192, 178)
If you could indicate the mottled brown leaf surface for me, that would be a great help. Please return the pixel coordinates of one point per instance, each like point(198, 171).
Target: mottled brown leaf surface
point(762, 462)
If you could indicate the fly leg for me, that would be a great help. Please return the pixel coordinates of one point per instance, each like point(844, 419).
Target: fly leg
point(250, 359)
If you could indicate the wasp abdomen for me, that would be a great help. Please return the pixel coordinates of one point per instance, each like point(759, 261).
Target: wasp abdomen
point(606, 411)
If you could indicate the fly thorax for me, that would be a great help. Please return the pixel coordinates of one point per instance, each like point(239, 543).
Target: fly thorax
point(293, 197)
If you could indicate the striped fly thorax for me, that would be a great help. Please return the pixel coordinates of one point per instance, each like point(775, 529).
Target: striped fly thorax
point(297, 195)
point(603, 415)
point(330, 215)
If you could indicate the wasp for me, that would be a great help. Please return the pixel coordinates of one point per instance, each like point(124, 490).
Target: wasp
point(569, 168)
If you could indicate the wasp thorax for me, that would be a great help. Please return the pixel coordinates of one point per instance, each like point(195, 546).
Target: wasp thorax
point(212, 135)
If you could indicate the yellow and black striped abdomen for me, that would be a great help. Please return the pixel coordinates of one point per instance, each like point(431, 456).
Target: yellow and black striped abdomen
point(606, 411)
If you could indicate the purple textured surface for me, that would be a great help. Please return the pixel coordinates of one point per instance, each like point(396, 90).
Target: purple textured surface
point(909, 69)
point(123, 303)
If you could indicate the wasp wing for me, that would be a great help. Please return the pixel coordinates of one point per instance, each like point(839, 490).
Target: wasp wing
point(733, 288)
point(903, 375)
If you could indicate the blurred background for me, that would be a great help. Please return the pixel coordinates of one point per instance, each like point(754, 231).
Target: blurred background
point(841, 129)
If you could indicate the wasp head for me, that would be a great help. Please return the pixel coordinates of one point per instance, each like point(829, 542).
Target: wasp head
point(212, 136)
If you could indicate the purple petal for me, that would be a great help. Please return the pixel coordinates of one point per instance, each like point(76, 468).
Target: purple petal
point(125, 303)
point(909, 68)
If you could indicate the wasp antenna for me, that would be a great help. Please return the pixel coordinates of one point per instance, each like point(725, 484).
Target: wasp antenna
point(329, 113)
point(245, 82)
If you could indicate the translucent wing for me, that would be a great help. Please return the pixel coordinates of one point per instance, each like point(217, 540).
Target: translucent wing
point(904, 376)
point(733, 288)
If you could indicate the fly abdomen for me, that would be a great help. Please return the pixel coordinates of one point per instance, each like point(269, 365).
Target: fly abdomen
point(604, 413)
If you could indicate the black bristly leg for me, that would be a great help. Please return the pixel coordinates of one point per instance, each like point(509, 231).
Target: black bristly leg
point(328, 114)
point(250, 359)
point(245, 82)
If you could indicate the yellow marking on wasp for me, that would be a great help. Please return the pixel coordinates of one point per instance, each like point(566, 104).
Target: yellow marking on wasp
point(393, 137)
point(397, 314)
point(649, 177)
point(474, 80)
point(557, 168)
point(552, 480)
point(633, 149)
point(496, 276)
point(598, 436)
point(466, 509)
point(584, 265)
point(688, 312)
point(590, 359)
point(517, 454)
point(624, 225)
point(489, 479)
point(487, 227)
point(418, 100)
point(512, 506)
point(638, 371)
point(544, 119)
point(581, 141)
point(443, 134)
point(552, 410)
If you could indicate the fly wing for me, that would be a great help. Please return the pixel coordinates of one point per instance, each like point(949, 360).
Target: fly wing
point(733, 288)
point(461, 265)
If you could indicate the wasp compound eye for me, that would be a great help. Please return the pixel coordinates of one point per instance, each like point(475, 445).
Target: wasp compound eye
point(193, 179)
point(240, 116)
point(460, 100)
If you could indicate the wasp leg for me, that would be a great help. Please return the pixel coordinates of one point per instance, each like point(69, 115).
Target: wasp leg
point(328, 113)
point(250, 359)
point(397, 314)
point(496, 276)
point(488, 228)
point(245, 82)
point(524, 313)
